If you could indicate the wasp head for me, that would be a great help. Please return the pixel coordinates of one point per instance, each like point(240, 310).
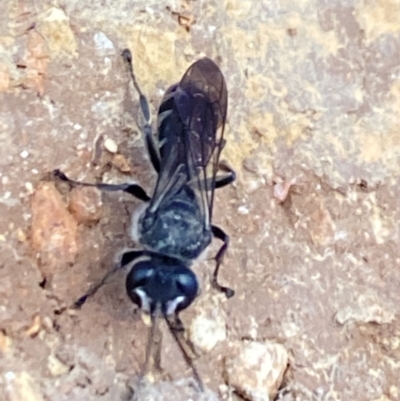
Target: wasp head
point(161, 283)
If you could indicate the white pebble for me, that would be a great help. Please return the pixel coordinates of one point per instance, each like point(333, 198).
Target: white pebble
point(243, 209)
point(102, 42)
point(29, 187)
point(111, 145)
point(9, 376)
point(24, 154)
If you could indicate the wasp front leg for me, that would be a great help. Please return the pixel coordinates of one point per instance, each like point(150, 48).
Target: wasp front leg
point(126, 258)
point(133, 189)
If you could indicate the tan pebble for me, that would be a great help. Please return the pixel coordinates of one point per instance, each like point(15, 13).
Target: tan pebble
point(56, 367)
point(111, 145)
point(321, 226)
point(5, 342)
point(281, 189)
point(54, 231)
point(36, 61)
point(21, 236)
point(120, 162)
point(208, 328)
point(4, 77)
point(255, 370)
point(85, 204)
point(383, 397)
point(47, 323)
point(35, 326)
point(22, 387)
point(394, 391)
point(369, 307)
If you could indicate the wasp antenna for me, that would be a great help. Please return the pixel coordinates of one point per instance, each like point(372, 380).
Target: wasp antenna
point(187, 358)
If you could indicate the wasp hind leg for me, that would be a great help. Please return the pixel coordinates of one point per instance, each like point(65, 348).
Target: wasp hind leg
point(221, 235)
point(226, 179)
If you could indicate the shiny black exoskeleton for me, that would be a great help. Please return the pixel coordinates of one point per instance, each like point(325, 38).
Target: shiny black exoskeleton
point(176, 225)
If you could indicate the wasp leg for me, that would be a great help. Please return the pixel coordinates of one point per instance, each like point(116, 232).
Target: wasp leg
point(126, 258)
point(80, 301)
point(144, 107)
point(133, 189)
point(226, 179)
point(221, 235)
point(221, 180)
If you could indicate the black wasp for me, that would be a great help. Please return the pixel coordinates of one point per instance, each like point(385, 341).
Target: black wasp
point(176, 225)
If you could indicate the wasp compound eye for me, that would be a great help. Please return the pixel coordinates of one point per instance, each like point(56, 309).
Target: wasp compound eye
point(137, 281)
point(187, 284)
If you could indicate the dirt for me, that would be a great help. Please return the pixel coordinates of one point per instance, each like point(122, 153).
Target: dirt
point(313, 135)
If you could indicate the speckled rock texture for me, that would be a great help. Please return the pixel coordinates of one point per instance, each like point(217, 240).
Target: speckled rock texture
point(313, 133)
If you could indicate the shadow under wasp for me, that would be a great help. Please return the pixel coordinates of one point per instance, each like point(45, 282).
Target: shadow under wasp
point(175, 226)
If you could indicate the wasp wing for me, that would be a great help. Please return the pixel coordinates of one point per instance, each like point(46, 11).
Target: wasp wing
point(190, 126)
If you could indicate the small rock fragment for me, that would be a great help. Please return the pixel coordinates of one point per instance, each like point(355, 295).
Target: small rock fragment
point(383, 397)
point(368, 308)
point(53, 230)
point(103, 44)
point(111, 145)
point(85, 204)
point(281, 189)
point(36, 60)
point(120, 162)
point(178, 390)
point(21, 236)
point(208, 328)
point(4, 77)
point(255, 370)
point(54, 24)
point(56, 367)
point(5, 342)
point(35, 326)
point(97, 149)
point(321, 226)
point(21, 387)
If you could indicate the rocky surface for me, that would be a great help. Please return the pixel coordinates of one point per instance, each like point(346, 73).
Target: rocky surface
point(313, 133)
point(255, 370)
